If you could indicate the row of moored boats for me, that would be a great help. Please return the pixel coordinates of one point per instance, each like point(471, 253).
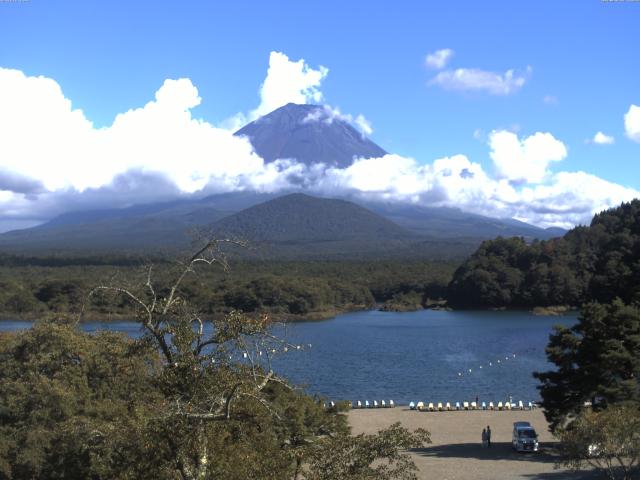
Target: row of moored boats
point(440, 407)
point(373, 404)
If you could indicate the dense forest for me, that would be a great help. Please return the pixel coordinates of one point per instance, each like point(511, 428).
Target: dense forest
point(599, 262)
point(30, 287)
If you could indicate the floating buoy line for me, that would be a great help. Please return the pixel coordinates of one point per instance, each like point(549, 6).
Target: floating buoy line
point(499, 362)
point(255, 352)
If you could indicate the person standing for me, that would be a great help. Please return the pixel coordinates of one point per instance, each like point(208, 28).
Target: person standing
point(484, 437)
point(488, 436)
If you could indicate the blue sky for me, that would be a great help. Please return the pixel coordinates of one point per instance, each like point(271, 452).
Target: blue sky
point(578, 61)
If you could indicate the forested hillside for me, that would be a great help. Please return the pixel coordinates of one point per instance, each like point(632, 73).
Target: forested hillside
point(30, 287)
point(599, 262)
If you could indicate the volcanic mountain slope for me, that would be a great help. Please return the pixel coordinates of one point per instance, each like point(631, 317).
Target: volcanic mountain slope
point(302, 218)
point(299, 225)
point(310, 134)
point(140, 228)
point(447, 222)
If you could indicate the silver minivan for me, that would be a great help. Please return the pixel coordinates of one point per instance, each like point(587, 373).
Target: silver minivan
point(525, 438)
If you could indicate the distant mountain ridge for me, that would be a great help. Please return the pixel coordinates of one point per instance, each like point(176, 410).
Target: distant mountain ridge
point(289, 226)
point(349, 226)
point(447, 222)
point(310, 134)
point(139, 228)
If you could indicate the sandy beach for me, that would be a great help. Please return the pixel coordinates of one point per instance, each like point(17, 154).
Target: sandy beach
point(456, 452)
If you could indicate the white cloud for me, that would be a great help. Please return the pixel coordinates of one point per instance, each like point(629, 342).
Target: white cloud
point(566, 199)
point(550, 100)
point(472, 79)
point(35, 120)
point(527, 160)
point(632, 123)
point(439, 59)
point(50, 147)
point(391, 175)
point(288, 82)
point(363, 124)
point(602, 139)
point(328, 114)
point(325, 114)
point(570, 198)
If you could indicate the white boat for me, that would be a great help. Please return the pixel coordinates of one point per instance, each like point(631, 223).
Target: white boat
point(412, 406)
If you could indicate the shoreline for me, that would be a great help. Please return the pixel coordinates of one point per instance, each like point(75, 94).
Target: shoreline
point(317, 316)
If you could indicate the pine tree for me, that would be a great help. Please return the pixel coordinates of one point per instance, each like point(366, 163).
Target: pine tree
point(598, 361)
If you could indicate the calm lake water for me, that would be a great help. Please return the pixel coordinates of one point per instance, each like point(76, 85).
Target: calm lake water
point(410, 356)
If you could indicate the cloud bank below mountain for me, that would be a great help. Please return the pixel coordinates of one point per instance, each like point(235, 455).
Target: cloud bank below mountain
point(53, 159)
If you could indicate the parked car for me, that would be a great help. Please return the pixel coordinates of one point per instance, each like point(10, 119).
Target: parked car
point(525, 438)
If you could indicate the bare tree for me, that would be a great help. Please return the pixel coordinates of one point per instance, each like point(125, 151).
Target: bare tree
point(219, 386)
point(210, 363)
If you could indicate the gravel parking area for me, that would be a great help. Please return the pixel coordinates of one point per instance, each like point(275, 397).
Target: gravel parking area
point(457, 451)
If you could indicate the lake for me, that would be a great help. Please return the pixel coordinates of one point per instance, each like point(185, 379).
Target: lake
point(410, 356)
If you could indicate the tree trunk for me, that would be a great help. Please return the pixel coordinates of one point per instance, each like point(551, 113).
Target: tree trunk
point(202, 459)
